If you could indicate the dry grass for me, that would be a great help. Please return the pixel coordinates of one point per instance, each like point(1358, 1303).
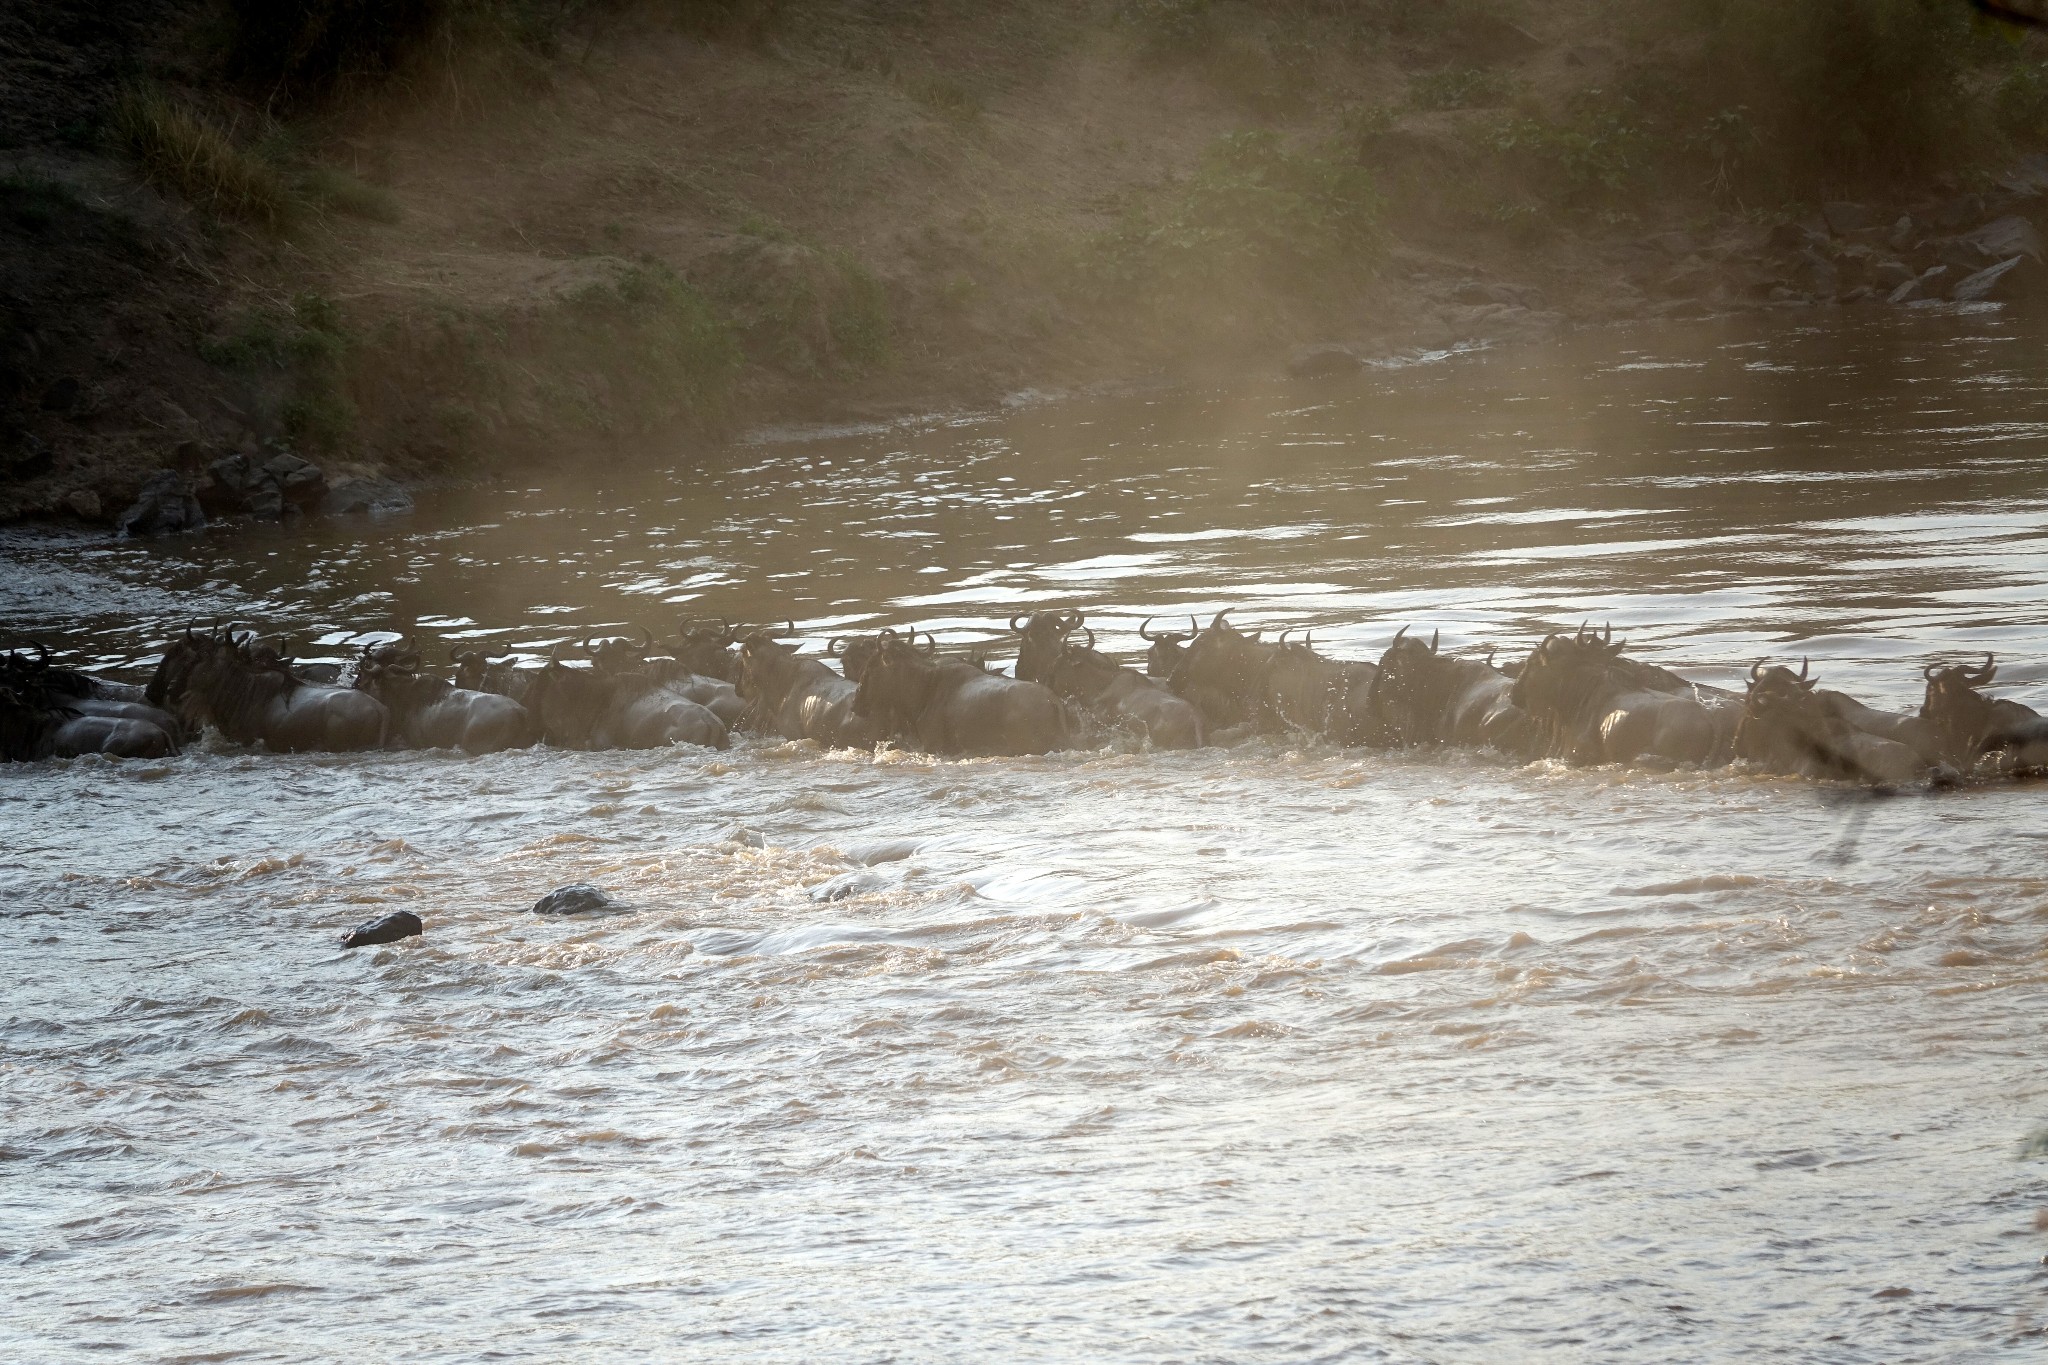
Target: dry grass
point(181, 150)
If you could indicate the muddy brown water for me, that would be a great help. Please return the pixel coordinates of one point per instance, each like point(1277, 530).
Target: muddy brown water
point(1274, 1052)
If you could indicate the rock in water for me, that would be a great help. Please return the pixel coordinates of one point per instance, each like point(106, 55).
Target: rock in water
point(1991, 284)
point(391, 928)
point(166, 506)
point(580, 899)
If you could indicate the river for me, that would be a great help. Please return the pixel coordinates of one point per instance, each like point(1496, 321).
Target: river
point(1271, 1052)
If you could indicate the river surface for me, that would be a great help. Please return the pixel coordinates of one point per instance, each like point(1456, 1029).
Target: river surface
point(1276, 1052)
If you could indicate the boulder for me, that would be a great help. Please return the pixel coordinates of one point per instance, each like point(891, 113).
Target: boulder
point(1813, 273)
point(389, 929)
point(579, 899)
point(1789, 236)
point(1844, 218)
point(84, 504)
point(1889, 275)
point(1951, 215)
point(1903, 233)
point(300, 484)
point(1319, 362)
point(366, 495)
point(1996, 283)
point(1906, 292)
point(165, 507)
point(2005, 237)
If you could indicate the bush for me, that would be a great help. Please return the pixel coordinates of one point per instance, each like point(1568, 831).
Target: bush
point(1295, 217)
point(181, 150)
point(1454, 88)
point(652, 346)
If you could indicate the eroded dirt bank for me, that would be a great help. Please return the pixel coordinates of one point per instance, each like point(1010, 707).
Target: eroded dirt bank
point(267, 290)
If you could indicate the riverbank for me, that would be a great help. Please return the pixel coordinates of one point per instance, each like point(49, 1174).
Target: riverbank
point(643, 233)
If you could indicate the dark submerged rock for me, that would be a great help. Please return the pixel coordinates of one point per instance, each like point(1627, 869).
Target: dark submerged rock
point(1316, 362)
point(580, 899)
point(2003, 238)
point(371, 496)
point(389, 929)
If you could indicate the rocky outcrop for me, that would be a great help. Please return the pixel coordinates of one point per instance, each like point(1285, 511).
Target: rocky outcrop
point(166, 506)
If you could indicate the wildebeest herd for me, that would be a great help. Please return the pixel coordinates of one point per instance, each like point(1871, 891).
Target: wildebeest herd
point(1576, 697)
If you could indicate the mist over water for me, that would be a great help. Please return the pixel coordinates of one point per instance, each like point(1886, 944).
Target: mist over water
point(1236, 1054)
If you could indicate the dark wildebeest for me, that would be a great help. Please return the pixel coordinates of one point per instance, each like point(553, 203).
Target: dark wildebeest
point(1124, 697)
point(1587, 704)
point(1166, 648)
point(707, 649)
point(1423, 697)
point(1968, 725)
point(476, 671)
point(799, 698)
point(1040, 637)
point(1237, 679)
point(1788, 726)
point(1223, 672)
point(948, 706)
point(214, 680)
point(39, 682)
point(581, 708)
point(40, 717)
point(714, 693)
point(432, 713)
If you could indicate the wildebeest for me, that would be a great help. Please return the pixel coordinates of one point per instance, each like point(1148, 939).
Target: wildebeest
point(1235, 679)
point(1040, 637)
point(1423, 697)
point(706, 649)
point(948, 706)
point(1123, 696)
point(41, 716)
point(581, 708)
point(712, 692)
point(40, 683)
point(215, 680)
point(799, 698)
point(1588, 704)
point(476, 671)
point(1968, 725)
point(1165, 647)
point(1788, 726)
point(432, 713)
point(1223, 671)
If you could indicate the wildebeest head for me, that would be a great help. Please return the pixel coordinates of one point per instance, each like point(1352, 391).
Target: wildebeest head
point(706, 648)
point(1220, 670)
point(174, 670)
point(1780, 708)
point(895, 680)
point(1563, 669)
point(1408, 689)
point(1042, 634)
point(1080, 671)
point(1959, 714)
point(472, 666)
point(1167, 647)
point(618, 653)
point(856, 652)
point(767, 667)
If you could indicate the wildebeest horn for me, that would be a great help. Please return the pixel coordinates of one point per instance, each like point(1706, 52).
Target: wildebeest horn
point(1091, 636)
point(1756, 672)
point(1398, 634)
point(1216, 621)
point(1607, 633)
point(42, 653)
point(1802, 672)
point(1434, 636)
point(1984, 674)
point(835, 646)
point(1147, 636)
point(1071, 620)
point(788, 626)
point(931, 642)
point(1284, 634)
point(646, 639)
point(1021, 616)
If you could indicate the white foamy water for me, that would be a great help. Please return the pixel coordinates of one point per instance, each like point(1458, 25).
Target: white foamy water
point(1272, 1052)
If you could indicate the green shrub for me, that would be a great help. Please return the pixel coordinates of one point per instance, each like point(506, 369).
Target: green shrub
point(181, 150)
point(1454, 88)
point(654, 347)
point(1601, 146)
point(1295, 217)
